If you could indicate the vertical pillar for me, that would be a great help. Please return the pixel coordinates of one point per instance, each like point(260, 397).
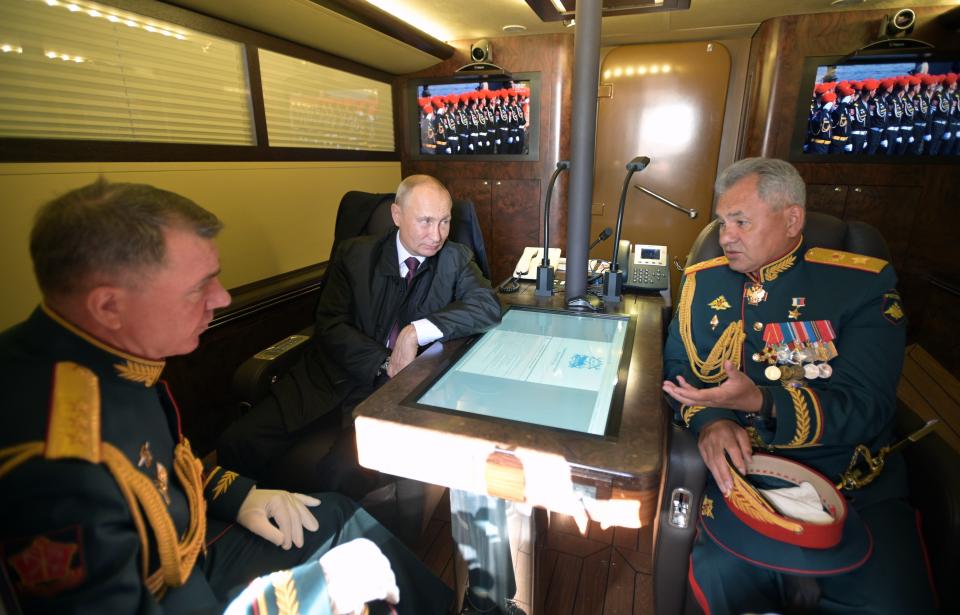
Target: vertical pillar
point(586, 75)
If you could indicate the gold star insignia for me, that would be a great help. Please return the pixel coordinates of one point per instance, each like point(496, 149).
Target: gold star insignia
point(794, 313)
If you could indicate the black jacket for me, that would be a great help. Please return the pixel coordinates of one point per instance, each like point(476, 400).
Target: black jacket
point(363, 296)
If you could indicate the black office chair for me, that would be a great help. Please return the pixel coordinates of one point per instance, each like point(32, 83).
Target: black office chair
point(685, 474)
point(411, 503)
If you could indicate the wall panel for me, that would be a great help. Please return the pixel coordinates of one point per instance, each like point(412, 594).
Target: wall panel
point(278, 216)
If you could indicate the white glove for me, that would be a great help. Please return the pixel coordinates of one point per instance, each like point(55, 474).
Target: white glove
point(288, 510)
point(358, 572)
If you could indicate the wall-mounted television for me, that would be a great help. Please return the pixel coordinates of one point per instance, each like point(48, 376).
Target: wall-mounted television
point(887, 108)
point(474, 117)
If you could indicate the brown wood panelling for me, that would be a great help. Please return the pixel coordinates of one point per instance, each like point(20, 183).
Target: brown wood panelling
point(827, 198)
point(516, 222)
point(552, 57)
point(478, 191)
point(914, 205)
point(674, 116)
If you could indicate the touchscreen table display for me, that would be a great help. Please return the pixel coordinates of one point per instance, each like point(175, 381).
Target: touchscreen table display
point(556, 369)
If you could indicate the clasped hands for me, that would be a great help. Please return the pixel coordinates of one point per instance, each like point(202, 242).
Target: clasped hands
point(404, 350)
point(724, 437)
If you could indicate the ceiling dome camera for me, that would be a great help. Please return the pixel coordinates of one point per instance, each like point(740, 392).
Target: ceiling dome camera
point(902, 22)
point(480, 51)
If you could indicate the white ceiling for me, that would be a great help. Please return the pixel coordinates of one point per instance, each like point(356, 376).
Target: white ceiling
point(312, 24)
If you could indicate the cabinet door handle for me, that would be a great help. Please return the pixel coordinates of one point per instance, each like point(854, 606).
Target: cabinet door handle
point(858, 189)
point(837, 188)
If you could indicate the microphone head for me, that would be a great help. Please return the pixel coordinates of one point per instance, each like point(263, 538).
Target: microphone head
point(605, 233)
point(638, 164)
point(563, 165)
point(693, 213)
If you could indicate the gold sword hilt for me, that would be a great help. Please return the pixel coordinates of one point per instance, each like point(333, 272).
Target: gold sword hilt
point(854, 477)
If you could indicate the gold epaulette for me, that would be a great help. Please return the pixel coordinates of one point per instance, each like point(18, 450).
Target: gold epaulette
point(74, 427)
point(826, 256)
point(708, 264)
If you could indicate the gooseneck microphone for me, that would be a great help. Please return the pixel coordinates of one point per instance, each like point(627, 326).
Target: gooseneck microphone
point(612, 280)
point(544, 271)
point(604, 234)
point(693, 213)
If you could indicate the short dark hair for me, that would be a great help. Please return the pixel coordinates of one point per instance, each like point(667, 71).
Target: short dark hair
point(778, 182)
point(109, 229)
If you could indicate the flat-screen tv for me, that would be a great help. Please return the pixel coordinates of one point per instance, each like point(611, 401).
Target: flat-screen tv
point(864, 109)
point(474, 117)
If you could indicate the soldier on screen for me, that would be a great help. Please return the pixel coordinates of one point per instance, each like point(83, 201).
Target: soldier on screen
point(905, 138)
point(840, 119)
point(859, 118)
point(876, 117)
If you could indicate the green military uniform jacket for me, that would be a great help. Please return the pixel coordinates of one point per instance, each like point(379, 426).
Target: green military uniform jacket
point(827, 294)
point(102, 505)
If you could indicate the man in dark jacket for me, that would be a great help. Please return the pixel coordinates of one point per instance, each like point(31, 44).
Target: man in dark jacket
point(384, 299)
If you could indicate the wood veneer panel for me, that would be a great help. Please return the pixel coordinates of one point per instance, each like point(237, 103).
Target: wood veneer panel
point(562, 592)
point(592, 589)
point(620, 586)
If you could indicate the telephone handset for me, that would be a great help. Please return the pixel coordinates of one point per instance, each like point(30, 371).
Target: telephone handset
point(643, 266)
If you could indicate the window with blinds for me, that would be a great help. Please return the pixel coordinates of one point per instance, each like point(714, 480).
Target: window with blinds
point(310, 105)
point(79, 70)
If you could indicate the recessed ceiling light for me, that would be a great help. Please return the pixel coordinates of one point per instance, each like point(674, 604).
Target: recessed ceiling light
point(514, 28)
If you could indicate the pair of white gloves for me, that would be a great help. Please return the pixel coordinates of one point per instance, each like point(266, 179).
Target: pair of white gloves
point(356, 572)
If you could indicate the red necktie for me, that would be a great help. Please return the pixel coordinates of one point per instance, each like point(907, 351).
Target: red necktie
point(412, 263)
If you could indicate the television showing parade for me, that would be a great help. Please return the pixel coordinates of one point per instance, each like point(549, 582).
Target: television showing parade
point(896, 109)
point(474, 118)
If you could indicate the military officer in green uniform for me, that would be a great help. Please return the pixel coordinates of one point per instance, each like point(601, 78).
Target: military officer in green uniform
point(104, 508)
point(793, 351)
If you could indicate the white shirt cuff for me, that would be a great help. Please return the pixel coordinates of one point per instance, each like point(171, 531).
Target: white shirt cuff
point(426, 331)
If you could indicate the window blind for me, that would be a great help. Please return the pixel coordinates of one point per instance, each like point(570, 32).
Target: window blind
point(80, 70)
point(309, 105)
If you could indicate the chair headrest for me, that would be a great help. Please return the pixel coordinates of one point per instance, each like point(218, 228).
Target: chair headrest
point(821, 230)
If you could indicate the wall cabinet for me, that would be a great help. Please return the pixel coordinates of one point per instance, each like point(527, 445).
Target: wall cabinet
point(510, 217)
point(889, 208)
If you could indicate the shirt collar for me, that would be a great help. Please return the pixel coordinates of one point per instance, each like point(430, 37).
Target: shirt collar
point(403, 254)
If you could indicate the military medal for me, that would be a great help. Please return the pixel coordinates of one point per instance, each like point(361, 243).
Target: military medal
point(146, 457)
point(772, 372)
point(755, 293)
point(811, 371)
point(825, 370)
point(797, 303)
point(162, 482)
point(714, 322)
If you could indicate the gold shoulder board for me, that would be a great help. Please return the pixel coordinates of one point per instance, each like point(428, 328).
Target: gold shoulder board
point(708, 264)
point(826, 256)
point(73, 430)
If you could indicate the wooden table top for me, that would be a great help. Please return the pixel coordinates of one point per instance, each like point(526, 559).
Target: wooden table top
point(520, 461)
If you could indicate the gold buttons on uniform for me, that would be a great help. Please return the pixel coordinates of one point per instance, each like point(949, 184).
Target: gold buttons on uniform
point(758, 326)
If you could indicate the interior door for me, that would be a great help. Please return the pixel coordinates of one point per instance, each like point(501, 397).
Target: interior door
point(665, 101)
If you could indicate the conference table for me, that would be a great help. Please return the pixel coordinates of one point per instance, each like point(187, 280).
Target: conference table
point(614, 477)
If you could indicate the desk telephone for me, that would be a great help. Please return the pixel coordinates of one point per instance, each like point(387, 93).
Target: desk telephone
point(643, 266)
